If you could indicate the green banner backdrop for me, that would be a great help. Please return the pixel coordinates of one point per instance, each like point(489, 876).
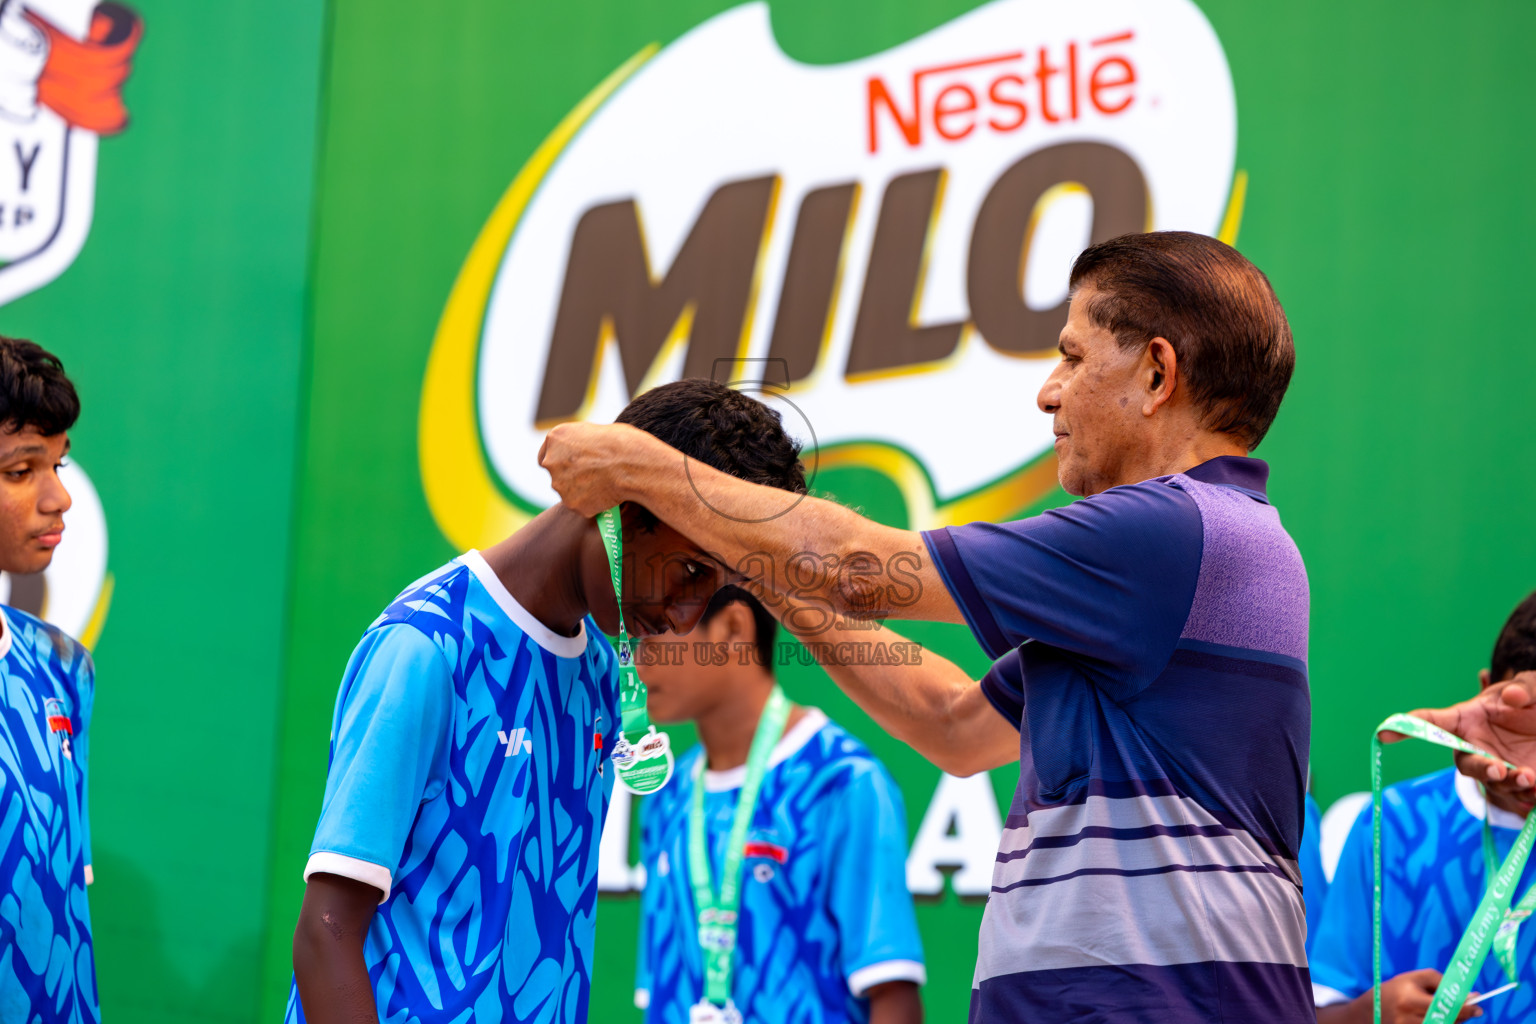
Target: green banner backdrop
point(346, 260)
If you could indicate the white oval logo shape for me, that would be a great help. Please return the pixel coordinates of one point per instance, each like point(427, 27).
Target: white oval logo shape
point(884, 242)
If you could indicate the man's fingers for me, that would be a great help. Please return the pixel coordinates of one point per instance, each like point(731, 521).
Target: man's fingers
point(1445, 718)
point(1520, 691)
point(1483, 769)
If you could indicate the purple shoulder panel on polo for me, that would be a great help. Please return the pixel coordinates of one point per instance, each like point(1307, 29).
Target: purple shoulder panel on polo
point(1252, 591)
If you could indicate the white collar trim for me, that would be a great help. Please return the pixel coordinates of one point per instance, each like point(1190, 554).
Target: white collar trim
point(10, 632)
point(1473, 800)
point(554, 643)
point(789, 745)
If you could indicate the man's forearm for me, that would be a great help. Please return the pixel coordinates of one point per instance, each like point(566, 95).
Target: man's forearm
point(797, 548)
point(922, 699)
point(802, 548)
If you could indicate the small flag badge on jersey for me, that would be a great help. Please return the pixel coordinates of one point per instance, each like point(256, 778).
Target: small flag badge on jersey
point(772, 851)
point(58, 722)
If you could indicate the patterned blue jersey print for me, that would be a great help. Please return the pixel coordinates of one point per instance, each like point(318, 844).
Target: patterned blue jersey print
point(46, 689)
point(1314, 881)
point(467, 780)
point(825, 909)
point(1432, 880)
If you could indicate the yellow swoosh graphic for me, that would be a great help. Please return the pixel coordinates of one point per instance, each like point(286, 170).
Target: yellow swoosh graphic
point(466, 503)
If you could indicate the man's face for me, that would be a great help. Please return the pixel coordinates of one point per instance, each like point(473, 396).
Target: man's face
point(32, 499)
point(668, 581)
point(1096, 397)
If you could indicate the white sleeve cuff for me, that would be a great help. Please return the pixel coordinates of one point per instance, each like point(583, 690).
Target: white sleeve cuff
point(642, 999)
point(1323, 996)
point(866, 978)
point(349, 867)
point(90, 876)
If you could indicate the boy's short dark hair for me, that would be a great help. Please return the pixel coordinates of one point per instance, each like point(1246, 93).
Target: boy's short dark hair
point(1515, 650)
point(767, 627)
point(34, 392)
point(720, 427)
point(1214, 307)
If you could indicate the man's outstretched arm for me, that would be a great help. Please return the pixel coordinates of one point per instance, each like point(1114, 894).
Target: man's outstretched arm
point(811, 552)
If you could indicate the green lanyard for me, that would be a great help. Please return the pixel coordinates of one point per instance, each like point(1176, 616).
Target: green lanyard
point(1494, 926)
point(717, 913)
point(641, 755)
point(1509, 931)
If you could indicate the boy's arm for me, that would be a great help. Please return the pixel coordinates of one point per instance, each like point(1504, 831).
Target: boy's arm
point(388, 750)
point(1405, 999)
point(871, 908)
point(812, 552)
point(328, 963)
point(895, 1002)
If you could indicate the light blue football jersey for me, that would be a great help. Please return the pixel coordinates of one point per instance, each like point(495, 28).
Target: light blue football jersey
point(47, 686)
point(1314, 880)
point(1432, 879)
point(825, 911)
point(468, 783)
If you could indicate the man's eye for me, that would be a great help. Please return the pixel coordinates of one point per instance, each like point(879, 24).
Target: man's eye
point(16, 474)
point(694, 569)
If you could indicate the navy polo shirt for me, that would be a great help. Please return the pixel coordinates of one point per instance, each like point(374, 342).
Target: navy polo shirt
point(1151, 647)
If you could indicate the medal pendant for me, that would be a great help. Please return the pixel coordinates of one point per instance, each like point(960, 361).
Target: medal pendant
point(646, 766)
point(706, 1012)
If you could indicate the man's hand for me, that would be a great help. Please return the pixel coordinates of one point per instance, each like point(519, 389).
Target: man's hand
point(589, 463)
point(1502, 721)
point(1405, 999)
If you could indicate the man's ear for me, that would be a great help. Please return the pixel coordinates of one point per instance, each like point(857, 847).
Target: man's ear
point(1485, 677)
point(1160, 369)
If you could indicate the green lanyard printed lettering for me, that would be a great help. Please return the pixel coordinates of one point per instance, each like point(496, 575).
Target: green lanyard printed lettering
point(642, 757)
point(1494, 926)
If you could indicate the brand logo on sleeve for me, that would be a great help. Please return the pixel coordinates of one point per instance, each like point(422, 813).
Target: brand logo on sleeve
point(887, 241)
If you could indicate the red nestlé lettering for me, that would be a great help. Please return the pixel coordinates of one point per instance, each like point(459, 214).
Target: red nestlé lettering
point(1003, 93)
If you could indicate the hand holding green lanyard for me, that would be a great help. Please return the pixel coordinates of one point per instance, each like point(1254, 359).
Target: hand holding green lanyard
point(641, 755)
point(717, 911)
point(1494, 926)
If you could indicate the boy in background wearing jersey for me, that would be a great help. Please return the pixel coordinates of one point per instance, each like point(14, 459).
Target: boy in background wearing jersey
point(453, 875)
point(826, 932)
point(1434, 877)
point(47, 686)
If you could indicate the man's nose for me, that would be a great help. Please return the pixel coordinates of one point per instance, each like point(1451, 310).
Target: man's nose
point(682, 616)
point(1049, 398)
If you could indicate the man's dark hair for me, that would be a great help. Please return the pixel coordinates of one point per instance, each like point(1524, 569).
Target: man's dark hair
point(766, 626)
point(34, 392)
point(720, 427)
point(1214, 307)
point(1515, 651)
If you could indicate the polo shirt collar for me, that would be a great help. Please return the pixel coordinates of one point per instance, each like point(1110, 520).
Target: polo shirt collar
point(1239, 471)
